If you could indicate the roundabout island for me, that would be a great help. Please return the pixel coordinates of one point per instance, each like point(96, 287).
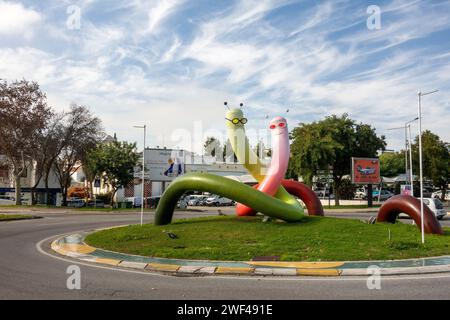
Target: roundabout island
point(280, 236)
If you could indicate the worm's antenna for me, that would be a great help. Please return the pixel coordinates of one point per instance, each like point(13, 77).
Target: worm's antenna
point(226, 105)
point(287, 110)
point(241, 105)
point(267, 116)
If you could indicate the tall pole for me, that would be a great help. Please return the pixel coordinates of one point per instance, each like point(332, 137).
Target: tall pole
point(411, 178)
point(406, 155)
point(143, 173)
point(143, 177)
point(419, 107)
point(419, 111)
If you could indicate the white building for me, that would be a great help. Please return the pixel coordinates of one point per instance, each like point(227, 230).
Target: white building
point(164, 165)
point(28, 180)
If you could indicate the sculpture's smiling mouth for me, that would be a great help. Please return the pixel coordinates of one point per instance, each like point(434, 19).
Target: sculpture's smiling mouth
point(279, 132)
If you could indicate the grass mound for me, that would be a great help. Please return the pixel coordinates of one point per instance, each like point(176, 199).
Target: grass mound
point(243, 238)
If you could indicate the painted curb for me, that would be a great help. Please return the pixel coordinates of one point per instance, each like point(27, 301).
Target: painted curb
point(72, 246)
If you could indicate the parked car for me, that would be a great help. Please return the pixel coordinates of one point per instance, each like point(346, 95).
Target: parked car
point(76, 203)
point(438, 195)
point(435, 206)
point(202, 200)
point(152, 202)
point(360, 193)
point(193, 202)
point(385, 195)
point(219, 201)
point(182, 204)
point(197, 200)
point(324, 193)
point(96, 204)
point(6, 200)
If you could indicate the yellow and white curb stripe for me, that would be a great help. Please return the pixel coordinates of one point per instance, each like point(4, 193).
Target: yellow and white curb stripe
point(84, 252)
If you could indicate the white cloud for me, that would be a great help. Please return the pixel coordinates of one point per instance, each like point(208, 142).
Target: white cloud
point(160, 11)
point(169, 78)
point(16, 19)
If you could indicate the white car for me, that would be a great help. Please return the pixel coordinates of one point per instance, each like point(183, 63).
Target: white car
point(435, 206)
point(438, 195)
point(219, 201)
point(360, 194)
point(5, 200)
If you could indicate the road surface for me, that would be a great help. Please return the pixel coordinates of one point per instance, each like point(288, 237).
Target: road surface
point(27, 273)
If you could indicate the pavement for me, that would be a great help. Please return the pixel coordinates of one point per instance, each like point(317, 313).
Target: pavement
point(30, 270)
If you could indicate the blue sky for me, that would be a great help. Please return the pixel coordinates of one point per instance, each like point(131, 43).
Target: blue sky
point(172, 63)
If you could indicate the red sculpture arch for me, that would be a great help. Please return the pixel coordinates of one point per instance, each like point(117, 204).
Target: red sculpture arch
point(410, 206)
point(304, 193)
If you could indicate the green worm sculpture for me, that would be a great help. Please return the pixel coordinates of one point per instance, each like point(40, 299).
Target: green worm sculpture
point(224, 187)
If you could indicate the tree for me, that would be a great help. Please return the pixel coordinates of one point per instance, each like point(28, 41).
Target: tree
point(228, 153)
point(80, 132)
point(261, 150)
point(212, 147)
point(392, 164)
point(328, 146)
point(115, 162)
point(24, 115)
point(45, 153)
point(436, 160)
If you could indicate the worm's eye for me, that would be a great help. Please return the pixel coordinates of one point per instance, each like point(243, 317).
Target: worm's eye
point(272, 126)
point(282, 124)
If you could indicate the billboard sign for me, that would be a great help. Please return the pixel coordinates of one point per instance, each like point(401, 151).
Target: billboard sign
point(163, 164)
point(405, 189)
point(366, 171)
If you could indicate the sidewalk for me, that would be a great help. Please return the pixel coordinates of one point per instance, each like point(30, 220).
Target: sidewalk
point(31, 210)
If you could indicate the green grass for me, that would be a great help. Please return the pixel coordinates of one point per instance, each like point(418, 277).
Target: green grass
point(10, 217)
point(312, 239)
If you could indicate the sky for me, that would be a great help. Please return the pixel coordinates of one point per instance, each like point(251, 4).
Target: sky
point(170, 64)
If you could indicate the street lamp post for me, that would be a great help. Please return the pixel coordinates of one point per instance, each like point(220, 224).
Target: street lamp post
point(408, 173)
point(411, 177)
point(419, 114)
point(143, 173)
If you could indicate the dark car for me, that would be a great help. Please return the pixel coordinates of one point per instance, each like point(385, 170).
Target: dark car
point(96, 204)
point(76, 203)
point(152, 202)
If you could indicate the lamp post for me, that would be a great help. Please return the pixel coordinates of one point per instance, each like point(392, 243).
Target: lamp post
point(419, 114)
point(408, 173)
point(411, 179)
point(143, 173)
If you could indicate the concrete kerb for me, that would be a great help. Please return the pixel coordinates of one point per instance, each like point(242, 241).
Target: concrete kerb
point(73, 246)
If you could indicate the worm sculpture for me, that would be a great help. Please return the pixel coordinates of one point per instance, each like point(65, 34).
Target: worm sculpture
point(410, 206)
point(278, 166)
point(270, 197)
point(235, 122)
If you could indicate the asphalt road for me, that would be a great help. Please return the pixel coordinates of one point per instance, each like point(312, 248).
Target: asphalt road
point(27, 273)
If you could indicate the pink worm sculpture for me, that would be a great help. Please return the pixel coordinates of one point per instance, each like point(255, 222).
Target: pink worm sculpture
point(278, 166)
